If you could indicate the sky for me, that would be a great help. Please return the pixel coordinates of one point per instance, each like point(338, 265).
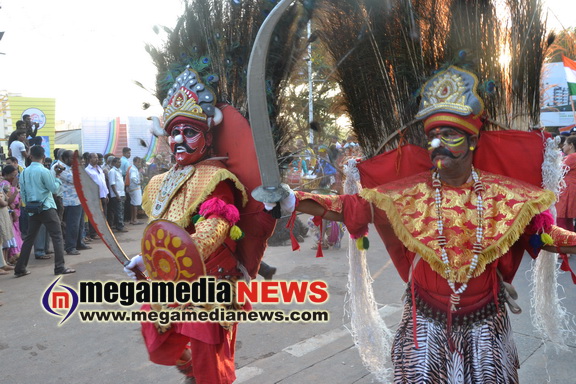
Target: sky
point(87, 54)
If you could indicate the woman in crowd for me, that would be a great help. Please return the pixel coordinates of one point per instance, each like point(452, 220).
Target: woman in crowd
point(566, 206)
point(6, 232)
point(9, 185)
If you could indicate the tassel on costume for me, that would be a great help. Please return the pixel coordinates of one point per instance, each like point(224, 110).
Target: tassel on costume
point(362, 243)
point(319, 222)
point(290, 226)
point(541, 222)
point(319, 252)
point(547, 239)
point(218, 207)
point(536, 242)
point(196, 218)
point(236, 233)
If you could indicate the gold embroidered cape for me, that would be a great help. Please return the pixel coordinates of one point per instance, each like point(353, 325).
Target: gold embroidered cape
point(509, 205)
point(177, 194)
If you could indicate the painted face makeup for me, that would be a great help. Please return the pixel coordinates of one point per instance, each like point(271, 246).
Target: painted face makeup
point(446, 144)
point(188, 144)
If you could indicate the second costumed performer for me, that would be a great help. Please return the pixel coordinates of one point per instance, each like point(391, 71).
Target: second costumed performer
point(200, 202)
point(457, 235)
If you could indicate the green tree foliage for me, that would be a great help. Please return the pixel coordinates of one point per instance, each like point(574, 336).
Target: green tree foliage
point(327, 98)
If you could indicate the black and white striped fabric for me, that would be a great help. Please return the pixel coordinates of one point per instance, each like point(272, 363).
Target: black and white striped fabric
point(485, 352)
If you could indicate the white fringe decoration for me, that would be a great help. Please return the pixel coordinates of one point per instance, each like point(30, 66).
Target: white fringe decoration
point(550, 318)
point(371, 335)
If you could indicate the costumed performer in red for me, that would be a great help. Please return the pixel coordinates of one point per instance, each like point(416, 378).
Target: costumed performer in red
point(456, 234)
point(200, 195)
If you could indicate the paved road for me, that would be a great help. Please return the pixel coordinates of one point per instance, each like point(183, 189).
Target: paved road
point(33, 349)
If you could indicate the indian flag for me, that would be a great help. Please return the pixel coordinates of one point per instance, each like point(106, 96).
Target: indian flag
point(561, 130)
point(570, 68)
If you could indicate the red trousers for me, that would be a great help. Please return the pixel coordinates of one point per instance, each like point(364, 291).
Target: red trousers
point(212, 356)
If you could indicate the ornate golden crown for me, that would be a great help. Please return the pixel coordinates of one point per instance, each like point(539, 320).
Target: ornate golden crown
point(189, 97)
point(452, 90)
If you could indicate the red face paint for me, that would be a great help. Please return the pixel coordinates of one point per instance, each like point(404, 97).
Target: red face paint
point(188, 144)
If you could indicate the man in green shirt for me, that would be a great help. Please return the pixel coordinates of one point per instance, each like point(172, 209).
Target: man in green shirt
point(38, 184)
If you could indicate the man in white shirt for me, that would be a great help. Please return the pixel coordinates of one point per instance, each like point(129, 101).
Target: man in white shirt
point(18, 149)
point(133, 183)
point(123, 166)
point(117, 195)
point(97, 174)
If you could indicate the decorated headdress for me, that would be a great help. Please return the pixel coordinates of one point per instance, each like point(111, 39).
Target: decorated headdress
point(214, 38)
point(189, 100)
point(450, 98)
point(397, 45)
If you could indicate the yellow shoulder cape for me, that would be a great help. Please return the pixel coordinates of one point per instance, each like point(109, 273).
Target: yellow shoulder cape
point(509, 205)
point(177, 194)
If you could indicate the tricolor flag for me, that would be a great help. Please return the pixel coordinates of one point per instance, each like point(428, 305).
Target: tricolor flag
point(561, 130)
point(570, 68)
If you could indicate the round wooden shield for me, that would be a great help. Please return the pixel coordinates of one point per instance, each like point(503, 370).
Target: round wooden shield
point(169, 253)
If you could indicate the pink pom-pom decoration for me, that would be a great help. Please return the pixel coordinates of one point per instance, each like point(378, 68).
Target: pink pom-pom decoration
point(541, 222)
point(217, 207)
point(359, 235)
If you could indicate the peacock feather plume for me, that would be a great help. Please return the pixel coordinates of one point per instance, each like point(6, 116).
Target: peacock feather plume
point(384, 51)
point(215, 38)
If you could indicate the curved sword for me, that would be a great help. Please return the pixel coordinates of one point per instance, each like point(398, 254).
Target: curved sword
point(89, 195)
point(270, 191)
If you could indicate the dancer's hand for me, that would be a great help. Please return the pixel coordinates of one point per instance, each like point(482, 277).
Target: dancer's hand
point(287, 204)
point(135, 264)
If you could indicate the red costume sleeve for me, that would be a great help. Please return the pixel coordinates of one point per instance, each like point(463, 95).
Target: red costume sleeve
point(570, 161)
point(562, 237)
point(356, 211)
point(224, 191)
point(357, 215)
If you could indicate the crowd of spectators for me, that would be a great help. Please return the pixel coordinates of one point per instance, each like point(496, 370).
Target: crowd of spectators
point(40, 209)
point(320, 166)
point(121, 181)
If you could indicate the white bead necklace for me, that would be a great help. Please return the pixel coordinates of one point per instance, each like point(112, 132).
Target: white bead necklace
point(476, 249)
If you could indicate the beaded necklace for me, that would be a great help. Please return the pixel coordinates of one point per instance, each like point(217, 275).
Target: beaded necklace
point(478, 188)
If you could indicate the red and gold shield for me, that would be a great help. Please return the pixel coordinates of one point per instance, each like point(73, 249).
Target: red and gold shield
point(169, 253)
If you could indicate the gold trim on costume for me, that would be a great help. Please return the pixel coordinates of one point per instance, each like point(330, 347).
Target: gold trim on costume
point(329, 202)
point(562, 237)
point(171, 183)
point(209, 235)
point(189, 193)
point(509, 205)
